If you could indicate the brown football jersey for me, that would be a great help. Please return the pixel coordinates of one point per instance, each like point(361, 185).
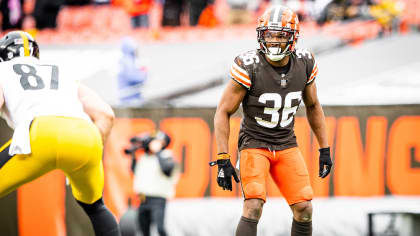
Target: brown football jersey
point(272, 99)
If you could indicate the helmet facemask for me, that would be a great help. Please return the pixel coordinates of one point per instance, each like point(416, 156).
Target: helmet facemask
point(276, 44)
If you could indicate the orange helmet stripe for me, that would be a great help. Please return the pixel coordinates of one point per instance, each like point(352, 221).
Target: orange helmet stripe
point(293, 20)
point(25, 44)
point(285, 18)
point(266, 18)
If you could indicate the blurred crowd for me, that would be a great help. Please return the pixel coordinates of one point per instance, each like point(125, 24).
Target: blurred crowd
point(386, 12)
point(43, 13)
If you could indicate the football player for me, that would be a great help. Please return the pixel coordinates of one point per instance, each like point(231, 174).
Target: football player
point(58, 124)
point(271, 82)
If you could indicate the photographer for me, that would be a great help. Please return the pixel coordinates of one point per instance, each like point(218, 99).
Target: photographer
point(155, 176)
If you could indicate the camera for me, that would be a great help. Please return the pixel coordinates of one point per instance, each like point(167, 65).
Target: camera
point(138, 142)
point(142, 141)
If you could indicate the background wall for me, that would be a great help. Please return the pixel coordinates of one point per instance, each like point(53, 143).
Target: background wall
point(375, 151)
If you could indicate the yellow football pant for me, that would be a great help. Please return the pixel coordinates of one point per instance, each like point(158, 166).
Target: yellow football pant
point(72, 145)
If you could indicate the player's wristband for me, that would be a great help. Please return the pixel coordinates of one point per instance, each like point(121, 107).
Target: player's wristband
point(223, 155)
point(325, 150)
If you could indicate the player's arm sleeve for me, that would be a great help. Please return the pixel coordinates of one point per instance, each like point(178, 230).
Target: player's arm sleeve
point(312, 70)
point(239, 74)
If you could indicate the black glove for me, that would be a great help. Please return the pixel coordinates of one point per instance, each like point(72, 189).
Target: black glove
point(225, 171)
point(324, 160)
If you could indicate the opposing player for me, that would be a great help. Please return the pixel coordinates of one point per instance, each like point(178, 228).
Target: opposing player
point(270, 83)
point(58, 124)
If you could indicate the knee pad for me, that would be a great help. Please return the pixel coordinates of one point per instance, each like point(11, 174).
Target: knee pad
point(254, 190)
point(94, 207)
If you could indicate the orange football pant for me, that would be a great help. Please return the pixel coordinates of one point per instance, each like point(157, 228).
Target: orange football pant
point(287, 168)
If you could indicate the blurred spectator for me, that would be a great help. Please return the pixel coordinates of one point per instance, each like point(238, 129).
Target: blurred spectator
point(12, 12)
point(139, 12)
point(155, 176)
point(45, 13)
point(208, 17)
point(101, 2)
point(334, 11)
point(172, 10)
point(131, 75)
point(200, 12)
point(387, 13)
point(240, 11)
point(341, 10)
point(197, 7)
point(77, 2)
point(359, 9)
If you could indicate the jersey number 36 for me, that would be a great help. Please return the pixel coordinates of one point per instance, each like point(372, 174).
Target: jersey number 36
point(287, 110)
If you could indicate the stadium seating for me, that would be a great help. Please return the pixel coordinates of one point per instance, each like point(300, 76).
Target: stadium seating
point(107, 24)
